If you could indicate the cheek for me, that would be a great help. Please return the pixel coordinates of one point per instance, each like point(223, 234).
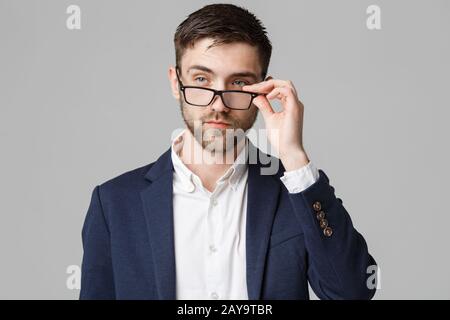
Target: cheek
point(244, 117)
point(192, 112)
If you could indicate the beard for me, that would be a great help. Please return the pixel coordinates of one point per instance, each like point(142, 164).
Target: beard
point(218, 140)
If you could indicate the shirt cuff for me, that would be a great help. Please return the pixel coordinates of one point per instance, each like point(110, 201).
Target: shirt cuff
point(298, 180)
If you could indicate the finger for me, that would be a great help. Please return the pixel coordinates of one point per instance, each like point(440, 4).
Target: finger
point(285, 94)
point(268, 85)
point(264, 106)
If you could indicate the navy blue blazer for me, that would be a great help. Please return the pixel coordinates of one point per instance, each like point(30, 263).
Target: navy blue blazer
point(128, 239)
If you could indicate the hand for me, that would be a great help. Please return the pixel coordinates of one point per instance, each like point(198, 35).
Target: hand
point(284, 128)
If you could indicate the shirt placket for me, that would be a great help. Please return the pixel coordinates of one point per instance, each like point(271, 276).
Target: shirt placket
point(213, 254)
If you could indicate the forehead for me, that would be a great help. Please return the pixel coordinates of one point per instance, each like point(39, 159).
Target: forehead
point(223, 59)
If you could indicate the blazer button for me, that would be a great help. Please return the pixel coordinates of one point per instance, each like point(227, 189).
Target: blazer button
point(317, 206)
point(320, 215)
point(327, 232)
point(323, 223)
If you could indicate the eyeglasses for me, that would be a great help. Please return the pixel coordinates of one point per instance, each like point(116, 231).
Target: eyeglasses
point(202, 97)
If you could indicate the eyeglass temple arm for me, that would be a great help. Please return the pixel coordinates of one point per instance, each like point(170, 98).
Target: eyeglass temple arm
point(177, 69)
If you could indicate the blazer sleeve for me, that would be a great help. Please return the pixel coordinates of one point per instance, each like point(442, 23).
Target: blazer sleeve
point(338, 257)
point(97, 281)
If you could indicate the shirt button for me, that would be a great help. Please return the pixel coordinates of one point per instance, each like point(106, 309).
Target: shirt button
point(214, 295)
point(212, 248)
point(214, 202)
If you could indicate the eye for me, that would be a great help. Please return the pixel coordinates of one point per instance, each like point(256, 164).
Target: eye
point(200, 80)
point(240, 83)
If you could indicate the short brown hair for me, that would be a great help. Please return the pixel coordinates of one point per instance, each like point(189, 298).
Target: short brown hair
point(225, 23)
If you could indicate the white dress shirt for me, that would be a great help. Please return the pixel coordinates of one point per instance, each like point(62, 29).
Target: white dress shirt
point(210, 227)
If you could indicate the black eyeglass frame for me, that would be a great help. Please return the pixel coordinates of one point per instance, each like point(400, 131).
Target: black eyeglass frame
point(216, 93)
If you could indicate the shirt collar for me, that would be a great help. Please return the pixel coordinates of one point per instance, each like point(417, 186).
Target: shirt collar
point(189, 180)
point(180, 168)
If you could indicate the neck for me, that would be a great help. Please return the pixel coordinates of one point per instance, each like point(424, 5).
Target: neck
point(208, 166)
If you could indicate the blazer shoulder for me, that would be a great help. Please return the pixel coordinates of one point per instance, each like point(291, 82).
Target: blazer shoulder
point(128, 180)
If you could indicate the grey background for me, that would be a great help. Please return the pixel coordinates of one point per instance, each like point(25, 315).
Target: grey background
point(80, 107)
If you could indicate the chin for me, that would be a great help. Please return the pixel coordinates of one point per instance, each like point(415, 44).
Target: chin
point(217, 146)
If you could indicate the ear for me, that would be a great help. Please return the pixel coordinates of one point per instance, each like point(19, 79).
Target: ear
point(172, 74)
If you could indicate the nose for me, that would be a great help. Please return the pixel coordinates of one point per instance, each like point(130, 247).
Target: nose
point(217, 105)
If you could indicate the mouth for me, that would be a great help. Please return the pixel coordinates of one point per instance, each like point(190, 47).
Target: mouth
point(217, 124)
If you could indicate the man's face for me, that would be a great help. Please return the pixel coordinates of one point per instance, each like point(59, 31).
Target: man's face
point(223, 67)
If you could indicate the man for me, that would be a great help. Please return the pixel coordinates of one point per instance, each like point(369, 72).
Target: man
point(180, 228)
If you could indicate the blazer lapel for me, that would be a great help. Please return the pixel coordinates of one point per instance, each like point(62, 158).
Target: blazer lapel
point(263, 193)
point(158, 211)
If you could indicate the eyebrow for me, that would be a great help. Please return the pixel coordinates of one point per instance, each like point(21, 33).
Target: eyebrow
point(236, 74)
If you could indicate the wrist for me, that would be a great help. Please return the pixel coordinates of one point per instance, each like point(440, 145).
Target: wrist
point(294, 160)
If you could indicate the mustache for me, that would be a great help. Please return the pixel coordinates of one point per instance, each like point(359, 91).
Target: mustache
point(219, 119)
